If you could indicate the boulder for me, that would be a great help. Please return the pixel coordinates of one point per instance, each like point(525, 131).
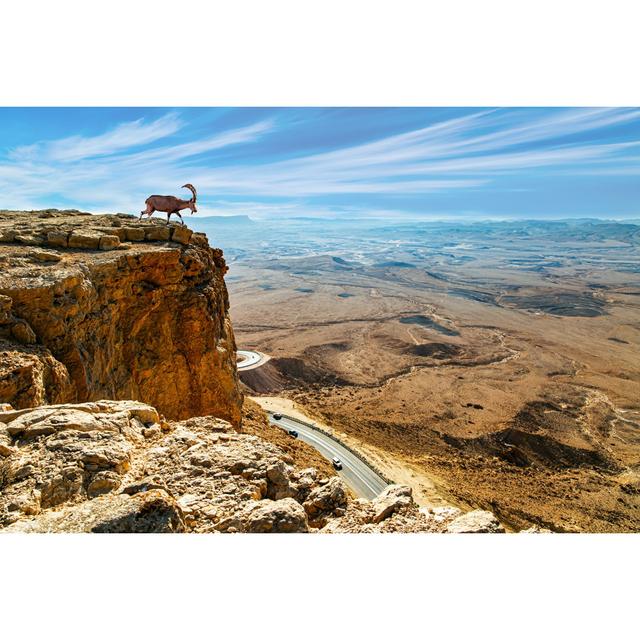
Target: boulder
point(181, 234)
point(274, 516)
point(134, 234)
point(157, 232)
point(440, 515)
point(327, 499)
point(149, 512)
point(108, 243)
point(394, 498)
point(278, 483)
point(477, 521)
point(48, 420)
point(45, 256)
point(22, 332)
point(103, 482)
point(536, 529)
point(79, 240)
point(29, 239)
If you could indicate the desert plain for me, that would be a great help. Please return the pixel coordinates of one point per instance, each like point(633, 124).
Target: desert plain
point(488, 364)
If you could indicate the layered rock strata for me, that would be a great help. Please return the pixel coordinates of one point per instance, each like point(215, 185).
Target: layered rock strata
point(96, 307)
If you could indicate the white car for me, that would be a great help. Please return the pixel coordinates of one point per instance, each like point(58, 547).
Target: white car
point(337, 463)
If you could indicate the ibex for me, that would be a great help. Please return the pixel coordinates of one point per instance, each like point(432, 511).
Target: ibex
point(170, 204)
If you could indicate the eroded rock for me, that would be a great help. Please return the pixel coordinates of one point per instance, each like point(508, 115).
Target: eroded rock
point(477, 521)
point(150, 323)
point(274, 516)
point(149, 512)
point(107, 243)
point(91, 467)
point(394, 498)
point(325, 500)
point(80, 240)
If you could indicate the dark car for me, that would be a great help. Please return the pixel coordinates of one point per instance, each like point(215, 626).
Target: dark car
point(337, 463)
point(293, 433)
point(277, 416)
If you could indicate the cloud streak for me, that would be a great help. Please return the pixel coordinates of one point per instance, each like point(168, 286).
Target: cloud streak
point(124, 136)
point(117, 168)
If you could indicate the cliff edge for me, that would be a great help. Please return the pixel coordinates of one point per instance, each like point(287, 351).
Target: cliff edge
point(107, 325)
point(104, 306)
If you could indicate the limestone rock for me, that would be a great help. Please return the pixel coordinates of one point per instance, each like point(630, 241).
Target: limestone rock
point(134, 234)
point(278, 482)
point(151, 323)
point(45, 256)
point(58, 239)
point(441, 515)
point(31, 376)
point(279, 516)
point(103, 482)
point(392, 499)
point(90, 467)
point(330, 498)
point(150, 512)
point(80, 240)
point(23, 333)
point(29, 239)
point(63, 456)
point(107, 243)
point(181, 234)
point(157, 233)
point(477, 521)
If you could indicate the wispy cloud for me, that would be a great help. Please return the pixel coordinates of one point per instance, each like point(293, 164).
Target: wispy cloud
point(241, 135)
point(127, 135)
point(117, 168)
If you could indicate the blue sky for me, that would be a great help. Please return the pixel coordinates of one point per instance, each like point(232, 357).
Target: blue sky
point(435, 163)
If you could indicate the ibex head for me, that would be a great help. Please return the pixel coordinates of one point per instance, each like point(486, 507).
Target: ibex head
point(192, 202)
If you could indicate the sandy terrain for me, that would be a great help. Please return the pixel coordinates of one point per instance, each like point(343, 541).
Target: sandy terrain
point(486, 365)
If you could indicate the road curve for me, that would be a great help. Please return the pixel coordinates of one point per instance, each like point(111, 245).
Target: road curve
point(358, 475)
point(250, 359)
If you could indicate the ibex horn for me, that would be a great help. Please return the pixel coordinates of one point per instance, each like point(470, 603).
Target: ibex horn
point(191, 188)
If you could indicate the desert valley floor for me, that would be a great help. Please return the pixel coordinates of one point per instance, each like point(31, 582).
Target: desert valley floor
point(490, 364)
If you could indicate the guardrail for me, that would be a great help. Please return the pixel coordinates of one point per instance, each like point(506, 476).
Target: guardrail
point(356, 453)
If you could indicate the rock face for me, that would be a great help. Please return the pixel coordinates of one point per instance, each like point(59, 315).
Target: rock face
point(114, 309)
point(118, 466)
point(95, 307)
point(392, 499)
point(476, 522)
point(150, 512)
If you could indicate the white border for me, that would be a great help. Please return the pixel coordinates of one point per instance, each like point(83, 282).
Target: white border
point(319, 53)
point(334, 52)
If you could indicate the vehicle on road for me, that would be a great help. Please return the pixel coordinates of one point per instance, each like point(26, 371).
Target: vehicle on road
point(277, 416)
point(293, 433)
point(337, 463)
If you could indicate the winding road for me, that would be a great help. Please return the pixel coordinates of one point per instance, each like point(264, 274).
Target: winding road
point(250, 359)
point(357, 474)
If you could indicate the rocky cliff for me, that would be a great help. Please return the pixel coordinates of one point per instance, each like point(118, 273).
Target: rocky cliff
point(118, 466)
point(95, 307)
point(120, 406)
